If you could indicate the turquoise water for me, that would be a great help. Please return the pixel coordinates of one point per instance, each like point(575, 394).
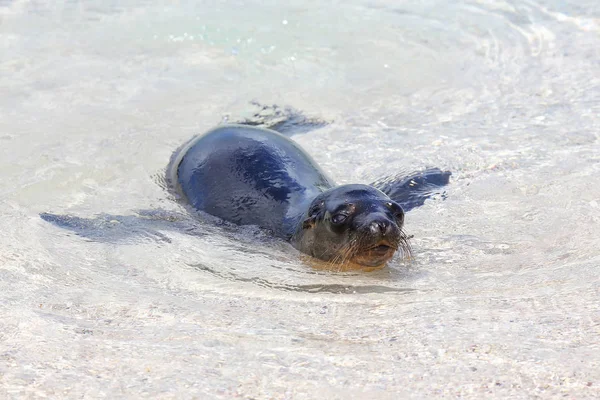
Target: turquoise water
point(501, 300)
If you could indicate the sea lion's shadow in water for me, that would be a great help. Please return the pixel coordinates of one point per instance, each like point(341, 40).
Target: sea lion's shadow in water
point(410, 191)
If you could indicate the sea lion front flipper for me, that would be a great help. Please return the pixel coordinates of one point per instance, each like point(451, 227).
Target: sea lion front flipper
point(108, 228)
point(287, 120)
point(411, 191)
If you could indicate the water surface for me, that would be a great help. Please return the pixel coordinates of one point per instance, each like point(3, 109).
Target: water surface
point(502, 299)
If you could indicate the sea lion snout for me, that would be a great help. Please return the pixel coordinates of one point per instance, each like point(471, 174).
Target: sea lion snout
point(380, 226)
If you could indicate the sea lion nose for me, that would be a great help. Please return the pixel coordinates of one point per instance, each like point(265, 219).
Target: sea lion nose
point(380, 226)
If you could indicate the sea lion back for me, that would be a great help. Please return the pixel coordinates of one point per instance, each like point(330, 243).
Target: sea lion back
point(247, 175)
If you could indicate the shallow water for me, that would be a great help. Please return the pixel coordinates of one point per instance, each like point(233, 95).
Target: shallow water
point(502, 298)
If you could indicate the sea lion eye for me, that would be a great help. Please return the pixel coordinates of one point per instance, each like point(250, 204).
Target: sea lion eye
point(338, 218)
point(396, 210)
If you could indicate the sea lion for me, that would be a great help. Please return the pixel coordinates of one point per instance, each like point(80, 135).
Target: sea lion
point(250, 175)
point(255, 176)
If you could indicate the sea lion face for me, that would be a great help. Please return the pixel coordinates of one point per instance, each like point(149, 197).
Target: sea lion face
point(353, 224)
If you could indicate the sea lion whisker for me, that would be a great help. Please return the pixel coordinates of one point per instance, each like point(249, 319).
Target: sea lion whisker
point(404, 246)
point(348, 254)
point(335, 261)
point(341, 256)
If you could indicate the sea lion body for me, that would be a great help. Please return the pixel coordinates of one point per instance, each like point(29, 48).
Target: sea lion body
point(255, 176)
point(248, 176)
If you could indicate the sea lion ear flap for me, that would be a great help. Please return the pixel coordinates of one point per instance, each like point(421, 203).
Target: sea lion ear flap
point(313, 214)
point(309, 222)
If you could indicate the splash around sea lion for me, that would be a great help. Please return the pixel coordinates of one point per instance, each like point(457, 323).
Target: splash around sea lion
point(255, 176)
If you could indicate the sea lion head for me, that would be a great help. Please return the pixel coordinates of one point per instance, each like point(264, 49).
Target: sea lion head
point(352, 224)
